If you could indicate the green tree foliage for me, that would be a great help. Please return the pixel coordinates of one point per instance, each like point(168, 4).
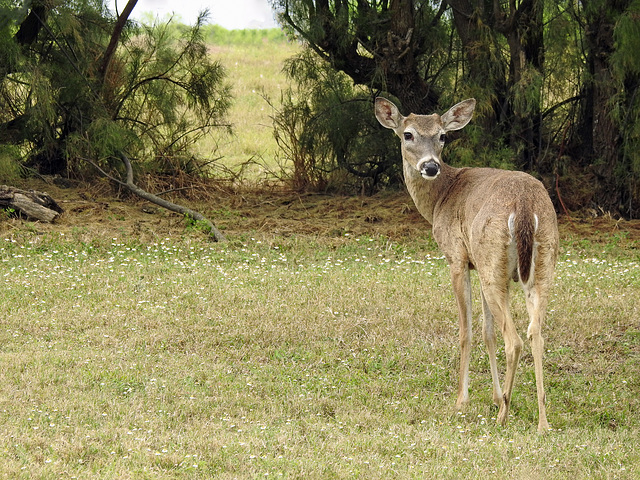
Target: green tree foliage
point(60, 101)
point(393, 46)
point(326, 128)
point(600, 138)
point(625, 62)
point(556, 82)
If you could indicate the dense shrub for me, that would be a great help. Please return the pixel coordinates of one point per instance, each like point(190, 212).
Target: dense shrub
point(326, 128)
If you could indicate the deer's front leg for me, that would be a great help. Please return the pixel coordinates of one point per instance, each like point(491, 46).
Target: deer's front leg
point(462, 291)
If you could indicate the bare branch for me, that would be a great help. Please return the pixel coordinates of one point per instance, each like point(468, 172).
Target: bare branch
point(216, 234)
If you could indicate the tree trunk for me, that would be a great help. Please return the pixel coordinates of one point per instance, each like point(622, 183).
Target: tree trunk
point(515, 95)
point(526, 43)
point(33, 23)
point(483, 71)
point(115, 38)
point(399, 62)
point(338, 31)
point(597, 139)
point(601, 129)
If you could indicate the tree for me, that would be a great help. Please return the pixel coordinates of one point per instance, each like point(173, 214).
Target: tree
point(115, 38)
point(556, 82)
point(625, 63)
point(504, 53)
point(77, 83)
point(604, 142)
point(391, 46)
point(409, 48)
point(70, 98)
point(325, 128)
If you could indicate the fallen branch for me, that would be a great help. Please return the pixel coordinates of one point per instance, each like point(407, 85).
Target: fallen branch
point(187, 212)
point(30, 203)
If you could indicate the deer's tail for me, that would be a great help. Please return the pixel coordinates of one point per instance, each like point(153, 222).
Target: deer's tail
point(525, 225)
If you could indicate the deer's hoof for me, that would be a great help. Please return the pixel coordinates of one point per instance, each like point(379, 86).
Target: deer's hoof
point(503, 413)
point(543, 427)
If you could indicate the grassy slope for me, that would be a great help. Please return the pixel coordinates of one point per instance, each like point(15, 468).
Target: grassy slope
point(254, 70)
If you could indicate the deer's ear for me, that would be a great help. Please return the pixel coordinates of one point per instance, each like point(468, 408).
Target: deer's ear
point(459, 115)
point(388, 114)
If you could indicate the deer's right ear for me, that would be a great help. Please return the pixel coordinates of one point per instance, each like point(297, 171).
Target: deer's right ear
point(388, 114)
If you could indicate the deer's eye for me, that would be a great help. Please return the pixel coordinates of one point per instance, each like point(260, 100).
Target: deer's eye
point(443, 138)
point(408, 136)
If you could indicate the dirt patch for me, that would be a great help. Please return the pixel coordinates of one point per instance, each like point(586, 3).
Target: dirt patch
point(92, 211)
point(600, 229)
point(286, 213)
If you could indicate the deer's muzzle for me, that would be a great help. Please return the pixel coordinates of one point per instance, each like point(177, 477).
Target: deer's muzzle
point(429, 169)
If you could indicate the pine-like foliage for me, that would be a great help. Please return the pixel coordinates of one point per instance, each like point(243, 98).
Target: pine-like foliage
point(326, 129)
point(555, 82)
point(625, 63)
point(160, 92)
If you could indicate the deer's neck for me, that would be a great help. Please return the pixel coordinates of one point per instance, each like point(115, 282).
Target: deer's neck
point(427, 194)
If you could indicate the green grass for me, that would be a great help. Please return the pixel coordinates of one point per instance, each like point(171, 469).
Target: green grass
point(297, 357)
point(255, 72)
point(217, 35)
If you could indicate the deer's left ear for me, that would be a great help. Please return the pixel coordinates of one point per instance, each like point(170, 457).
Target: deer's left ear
point(459, 115)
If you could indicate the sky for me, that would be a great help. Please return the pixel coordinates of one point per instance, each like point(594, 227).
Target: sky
point(230, 14)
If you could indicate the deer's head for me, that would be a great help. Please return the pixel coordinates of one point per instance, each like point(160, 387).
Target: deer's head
point(423, 136)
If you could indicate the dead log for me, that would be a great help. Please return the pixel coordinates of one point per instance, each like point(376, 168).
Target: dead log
point(31, 204)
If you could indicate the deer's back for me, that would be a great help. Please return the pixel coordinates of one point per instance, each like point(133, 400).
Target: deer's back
point(472, 218)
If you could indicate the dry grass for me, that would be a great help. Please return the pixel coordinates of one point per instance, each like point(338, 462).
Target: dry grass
point(132, 348)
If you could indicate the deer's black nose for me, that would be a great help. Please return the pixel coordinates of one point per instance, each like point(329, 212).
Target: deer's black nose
point(429, 169)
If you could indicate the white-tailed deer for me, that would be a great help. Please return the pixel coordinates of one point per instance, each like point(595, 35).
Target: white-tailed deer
point(502, 223)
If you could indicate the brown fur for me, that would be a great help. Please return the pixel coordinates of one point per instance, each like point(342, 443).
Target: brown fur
point(469, 210)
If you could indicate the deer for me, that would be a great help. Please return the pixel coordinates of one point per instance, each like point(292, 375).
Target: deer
point(501, 223)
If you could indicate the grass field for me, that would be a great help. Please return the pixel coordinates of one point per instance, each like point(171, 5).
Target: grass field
point(255, 72)
point(297, 357)
point(319, 343)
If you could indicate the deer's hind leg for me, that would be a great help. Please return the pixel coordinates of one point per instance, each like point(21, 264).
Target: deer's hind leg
point(489, 336)
point(536, 299)
point(496, 297)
